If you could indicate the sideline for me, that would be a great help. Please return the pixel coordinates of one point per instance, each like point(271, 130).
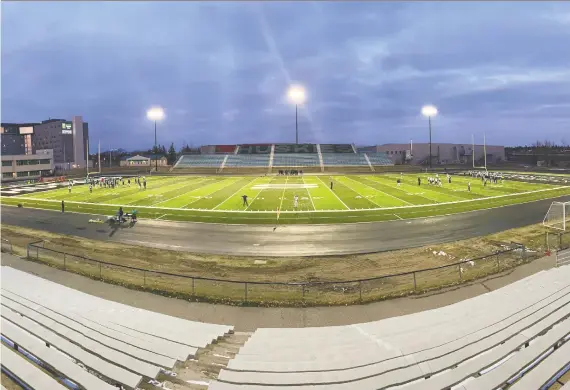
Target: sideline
point(250, 318)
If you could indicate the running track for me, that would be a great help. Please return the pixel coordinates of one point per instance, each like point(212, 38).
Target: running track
point(286, 240)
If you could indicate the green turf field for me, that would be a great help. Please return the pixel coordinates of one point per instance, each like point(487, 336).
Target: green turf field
point(354, 198)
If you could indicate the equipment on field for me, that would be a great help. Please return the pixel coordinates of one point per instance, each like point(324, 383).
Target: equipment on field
point(558, 216)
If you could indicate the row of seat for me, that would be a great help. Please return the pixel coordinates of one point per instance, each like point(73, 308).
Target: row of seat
point(120, 344)
point(282, 160)
point(441, 348)
point(296, 160)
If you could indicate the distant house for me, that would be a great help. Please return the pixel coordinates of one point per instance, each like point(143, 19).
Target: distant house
point(135, 161)
point(162, 160)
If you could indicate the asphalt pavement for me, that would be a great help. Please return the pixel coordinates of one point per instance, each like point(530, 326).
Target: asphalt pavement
point(286, 240)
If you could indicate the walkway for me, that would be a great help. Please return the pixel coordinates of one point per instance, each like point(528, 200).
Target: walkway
point(251, 318)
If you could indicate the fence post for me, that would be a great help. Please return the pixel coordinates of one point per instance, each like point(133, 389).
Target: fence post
point(193, 285)
point(28, 251)
point(37, 253)
point(144, 278)
point(498, 264)
point(64, 261)
point(245, 291)
point(559, 241)
point(459, 270)
point(360, 288)
point(100, 270)
point(523, 252)
point(303, 286)
point(415, 285)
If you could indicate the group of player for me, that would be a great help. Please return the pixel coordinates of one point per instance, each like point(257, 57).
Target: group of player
point(110, 182)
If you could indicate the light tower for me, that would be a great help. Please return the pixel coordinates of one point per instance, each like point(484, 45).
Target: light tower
point(297, 96)
point(155, 114)
point(429, 111)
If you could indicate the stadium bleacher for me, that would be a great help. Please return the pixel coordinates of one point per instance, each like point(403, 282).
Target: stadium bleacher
point(379, 159)
point(254, 158)
point(201, 160)
point(297, 160)
point(481, 343)
point(119, 344)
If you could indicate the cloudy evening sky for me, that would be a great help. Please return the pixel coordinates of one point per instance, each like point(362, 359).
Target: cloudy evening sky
point(220, 70)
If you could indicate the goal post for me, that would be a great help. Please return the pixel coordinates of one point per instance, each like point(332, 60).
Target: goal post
point(558, 216)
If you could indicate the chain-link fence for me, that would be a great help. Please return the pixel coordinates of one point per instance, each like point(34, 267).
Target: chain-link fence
point(283, 294)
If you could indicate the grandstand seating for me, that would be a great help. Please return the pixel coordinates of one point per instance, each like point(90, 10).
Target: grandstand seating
point(344, 159)
point(200, 160)
point(251, 158)
point(296, 160)
point(464, 346)
point(247, 160)
point(379, 159)
point(119, 344)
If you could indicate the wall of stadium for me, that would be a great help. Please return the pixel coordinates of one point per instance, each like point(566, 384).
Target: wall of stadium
point(442, 153)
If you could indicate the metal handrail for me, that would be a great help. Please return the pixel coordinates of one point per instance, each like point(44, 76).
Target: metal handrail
point(316, 283)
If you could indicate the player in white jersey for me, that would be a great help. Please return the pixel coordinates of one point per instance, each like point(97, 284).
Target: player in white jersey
point(295, 201)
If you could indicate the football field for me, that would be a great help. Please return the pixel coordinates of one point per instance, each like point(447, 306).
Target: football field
point(352, 198)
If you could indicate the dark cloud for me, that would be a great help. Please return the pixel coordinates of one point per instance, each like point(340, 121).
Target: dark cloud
point(221, 70)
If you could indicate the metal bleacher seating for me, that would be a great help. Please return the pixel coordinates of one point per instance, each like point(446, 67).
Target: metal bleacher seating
point(118, 344)
point(482, 343)
point(379, 159)
point(296, 160)
point(247, 160)
point(201, 161)
point(344, 159)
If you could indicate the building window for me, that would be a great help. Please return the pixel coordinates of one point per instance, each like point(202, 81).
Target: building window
point(45, 161)
point(22, 174)
point(7, 163)
point(7, 175)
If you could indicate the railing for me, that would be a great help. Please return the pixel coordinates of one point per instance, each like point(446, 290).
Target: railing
point(6, 246)
point(282, 293)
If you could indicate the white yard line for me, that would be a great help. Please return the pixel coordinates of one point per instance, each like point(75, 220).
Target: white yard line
point(327, 211)
point(163, 215)
point(283, 193)
point(231, 196)
point(256, 196)
point(362, 196)
point(396, 215)
point(210, 193)
point(376, 189)
point(177, 196)
point(340, 200)
point(309, 192)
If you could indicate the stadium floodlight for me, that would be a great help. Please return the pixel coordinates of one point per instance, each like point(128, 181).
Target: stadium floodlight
point(297, 96)
point(430, 111)
point(155, 114)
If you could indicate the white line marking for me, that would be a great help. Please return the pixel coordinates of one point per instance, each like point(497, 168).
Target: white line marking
point(340, 200)
point(282, 197)
point(231, 196)
point(163, 215)
point(376, 189)
point(323, 211)
point(398, 216)
point(309, 192)
point(255, 197)
point(178, 196)
point(210, 193)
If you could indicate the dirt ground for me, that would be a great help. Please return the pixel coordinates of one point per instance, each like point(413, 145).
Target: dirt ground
point(293, 269)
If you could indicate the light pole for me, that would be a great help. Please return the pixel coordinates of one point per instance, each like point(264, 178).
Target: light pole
point(297, 96)
point(155, 114)
point(429, 111)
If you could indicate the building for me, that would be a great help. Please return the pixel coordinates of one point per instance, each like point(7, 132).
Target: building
point(27, 166)
point(67, 139)
point(139, 160)
point(442, 153)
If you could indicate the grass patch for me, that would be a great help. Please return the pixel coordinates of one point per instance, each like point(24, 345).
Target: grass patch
point(354, 198)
